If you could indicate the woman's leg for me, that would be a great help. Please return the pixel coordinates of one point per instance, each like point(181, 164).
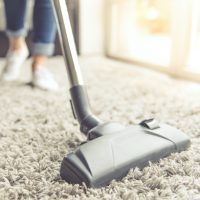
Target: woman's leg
point(43, 43)
point(44, 32)
point(15, 11)
point(15, 23)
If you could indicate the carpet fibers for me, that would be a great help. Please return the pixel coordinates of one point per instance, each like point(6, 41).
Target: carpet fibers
point(37, 129)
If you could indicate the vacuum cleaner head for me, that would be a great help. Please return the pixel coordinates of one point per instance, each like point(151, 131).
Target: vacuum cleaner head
point(114, 150)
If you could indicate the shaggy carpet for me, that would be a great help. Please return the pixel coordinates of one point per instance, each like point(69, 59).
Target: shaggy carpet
point(37, 129)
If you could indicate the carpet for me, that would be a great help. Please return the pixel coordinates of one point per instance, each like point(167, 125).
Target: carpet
point(37, 129)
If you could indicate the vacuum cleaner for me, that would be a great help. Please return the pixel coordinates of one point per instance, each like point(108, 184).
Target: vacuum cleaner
point(111, 149)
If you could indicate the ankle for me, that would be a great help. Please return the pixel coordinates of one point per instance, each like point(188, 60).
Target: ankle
point(36, 67)
point(17, 44)
point(38, 62)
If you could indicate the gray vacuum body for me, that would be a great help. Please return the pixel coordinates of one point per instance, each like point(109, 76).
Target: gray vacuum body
point(113, 154)
point(111, 149)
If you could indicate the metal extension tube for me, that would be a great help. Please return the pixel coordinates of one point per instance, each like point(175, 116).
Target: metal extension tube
point(68, 45)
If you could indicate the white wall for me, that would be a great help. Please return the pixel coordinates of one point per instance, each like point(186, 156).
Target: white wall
point(92, 27)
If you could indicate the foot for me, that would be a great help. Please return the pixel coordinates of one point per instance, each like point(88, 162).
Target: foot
point(44, 80)
point(14, 62)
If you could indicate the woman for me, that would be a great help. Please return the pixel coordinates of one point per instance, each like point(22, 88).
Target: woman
point(44, 29)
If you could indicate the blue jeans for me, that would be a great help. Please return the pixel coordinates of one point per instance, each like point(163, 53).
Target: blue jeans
point(44, 27)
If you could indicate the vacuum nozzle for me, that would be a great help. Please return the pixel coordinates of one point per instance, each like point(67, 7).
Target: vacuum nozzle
point(116, 149)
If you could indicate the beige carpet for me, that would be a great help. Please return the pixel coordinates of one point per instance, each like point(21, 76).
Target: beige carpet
point(37, 129)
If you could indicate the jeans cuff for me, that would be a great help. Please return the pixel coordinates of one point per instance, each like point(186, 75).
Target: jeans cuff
point(46, 49)
point(17, 33)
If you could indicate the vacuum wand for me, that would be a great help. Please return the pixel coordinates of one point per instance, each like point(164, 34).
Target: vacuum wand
point(67, 41)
